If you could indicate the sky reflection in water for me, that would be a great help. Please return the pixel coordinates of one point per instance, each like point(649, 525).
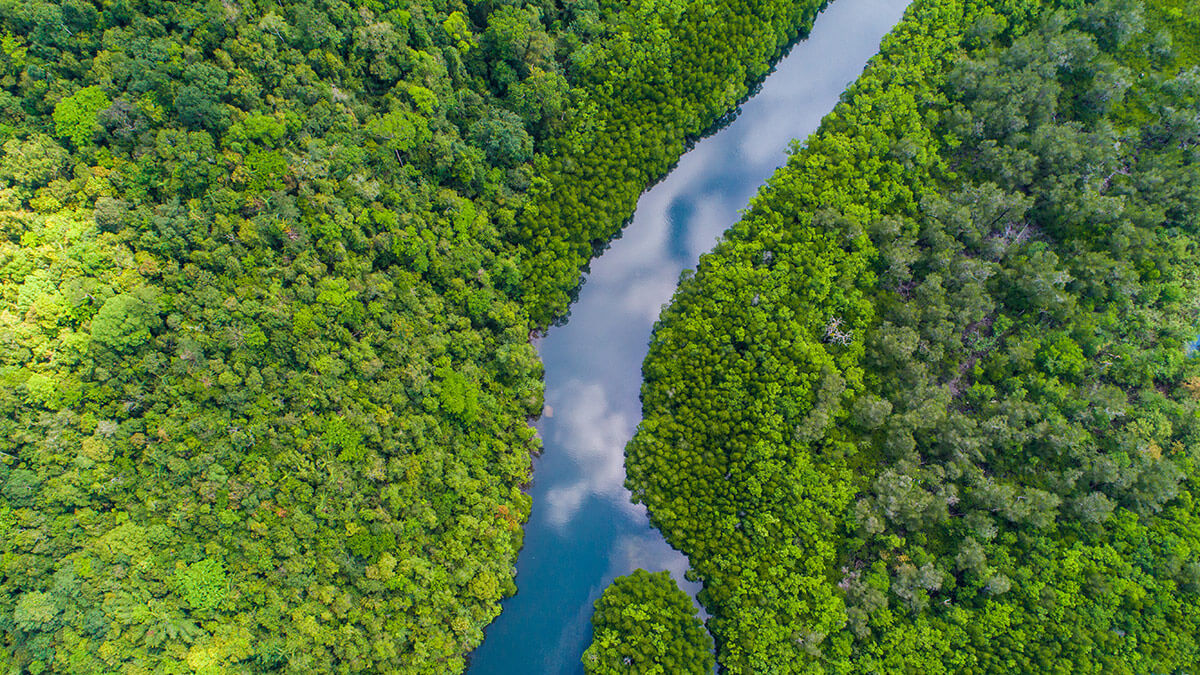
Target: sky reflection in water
point(583, 530)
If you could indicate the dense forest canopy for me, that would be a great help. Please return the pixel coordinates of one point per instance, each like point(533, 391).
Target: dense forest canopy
point(267, 277)
point(929, 407)
point(644, 624)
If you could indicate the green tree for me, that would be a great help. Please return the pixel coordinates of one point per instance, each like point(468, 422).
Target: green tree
point(75, 117)
point(32, 162)
point(36, 611)
point(401, 130)
point(123, 322)
point(202, 583)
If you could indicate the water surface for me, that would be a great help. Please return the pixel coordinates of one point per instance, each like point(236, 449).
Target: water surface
point(583, 530)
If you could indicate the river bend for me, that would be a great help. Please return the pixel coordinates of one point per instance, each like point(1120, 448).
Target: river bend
point(583, 530)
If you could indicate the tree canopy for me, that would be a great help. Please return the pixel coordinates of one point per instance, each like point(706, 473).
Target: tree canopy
point(644, 625)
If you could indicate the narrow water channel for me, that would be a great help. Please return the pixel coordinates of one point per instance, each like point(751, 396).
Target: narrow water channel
point(584, 531)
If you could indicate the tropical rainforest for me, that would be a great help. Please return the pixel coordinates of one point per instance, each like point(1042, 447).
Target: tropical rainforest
point(930, 406)
point(269, 271)
point(268, 274)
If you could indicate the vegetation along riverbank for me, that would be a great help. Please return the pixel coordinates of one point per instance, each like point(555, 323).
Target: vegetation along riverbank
point(928, 407)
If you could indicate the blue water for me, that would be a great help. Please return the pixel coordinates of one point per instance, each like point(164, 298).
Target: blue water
point(584, 531)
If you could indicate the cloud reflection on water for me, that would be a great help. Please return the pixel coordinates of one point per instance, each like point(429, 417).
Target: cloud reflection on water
point(646, 550)
point(593, 434)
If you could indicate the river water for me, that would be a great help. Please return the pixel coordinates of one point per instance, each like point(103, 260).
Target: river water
point(583, 530)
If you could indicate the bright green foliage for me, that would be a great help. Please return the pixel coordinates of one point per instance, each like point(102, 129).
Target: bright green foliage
point(203, 583)
point(35, 611)
point(458, 396)
point(401, 130)
point(459, 31)
point(644, 625)
point(1180, 18)
point(345, 440)
point(75, 115)
point(123, 322)
point(927, 408)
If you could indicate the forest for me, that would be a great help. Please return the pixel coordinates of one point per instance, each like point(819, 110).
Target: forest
point(268, 276)
point(930, 406)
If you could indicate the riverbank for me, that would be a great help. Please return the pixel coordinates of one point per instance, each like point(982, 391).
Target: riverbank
point(583, 531)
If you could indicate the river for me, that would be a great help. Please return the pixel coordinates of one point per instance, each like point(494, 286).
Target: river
point(583, 530)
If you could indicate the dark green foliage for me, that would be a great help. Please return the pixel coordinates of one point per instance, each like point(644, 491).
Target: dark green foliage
point(643, 624)
point(928, 408)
